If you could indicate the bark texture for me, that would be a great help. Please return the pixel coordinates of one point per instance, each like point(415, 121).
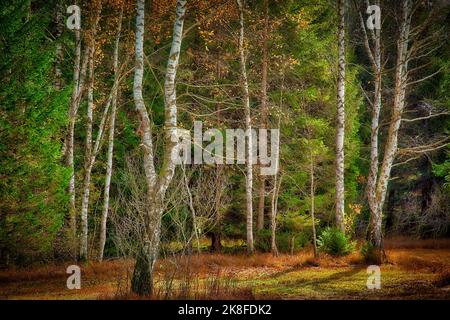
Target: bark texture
point(109, 164)
point(263, 114)
point(248, 127)
point(372, 43)
point(142, 280)
point(340, 127)
point(90, 153)
point(391, 146)
point(312, 195)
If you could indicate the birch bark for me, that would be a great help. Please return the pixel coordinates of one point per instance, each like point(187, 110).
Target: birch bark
point(89, 155)
point(248, 127)
point(374, 54)
point(69, 144)
point(340, 128)
point(390, 150)
point(142, 280)
point(312, 194)
point(109, 165)
point(263, 114)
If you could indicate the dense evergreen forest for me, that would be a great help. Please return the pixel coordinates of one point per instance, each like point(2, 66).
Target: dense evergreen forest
point(348, 100)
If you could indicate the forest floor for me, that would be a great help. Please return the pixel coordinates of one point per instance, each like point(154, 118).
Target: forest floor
point(418, 270)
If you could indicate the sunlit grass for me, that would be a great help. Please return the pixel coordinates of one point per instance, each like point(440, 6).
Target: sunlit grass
point(413, 274)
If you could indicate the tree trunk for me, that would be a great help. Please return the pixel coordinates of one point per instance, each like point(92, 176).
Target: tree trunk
point(142, 281)
point(77, 92)
point(264, 112)
point(216, 232)
point(312, 194)
point(374, 55)
point(109, 165)
point(390, 149)
point(89, 156)
point(273, 216)
point(216, 242)
point(340, 130)
point(69, 144)
point(248, 127)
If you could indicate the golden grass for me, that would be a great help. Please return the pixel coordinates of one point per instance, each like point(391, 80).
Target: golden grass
point(414, 273)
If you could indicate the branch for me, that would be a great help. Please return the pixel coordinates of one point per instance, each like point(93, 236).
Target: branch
point(426, 117)
point(427, 148)
point(405, 162)
point(424, 78)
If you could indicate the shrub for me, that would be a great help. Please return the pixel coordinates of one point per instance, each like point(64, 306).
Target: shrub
point(263, 240)
point(335, 242)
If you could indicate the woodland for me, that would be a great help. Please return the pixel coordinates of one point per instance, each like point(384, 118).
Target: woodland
point(347, 102)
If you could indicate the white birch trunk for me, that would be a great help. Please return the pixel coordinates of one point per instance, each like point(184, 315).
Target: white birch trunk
point(248, 127)
point(109, 165)
point(340, 128)
point(312, 195)
point(264, 112)
point(89, 156)
point(69, 144)
point(142, 281)
point(87, 176)
point(273, 215)
point(390, 150)
point(375, 59)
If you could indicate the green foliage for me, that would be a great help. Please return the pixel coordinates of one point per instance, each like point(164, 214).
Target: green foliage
point(443, 170)
point(283, 239)
point(335, 242)
point(32, 188)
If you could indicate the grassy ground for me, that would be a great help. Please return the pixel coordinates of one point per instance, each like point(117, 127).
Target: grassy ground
point(416, 272)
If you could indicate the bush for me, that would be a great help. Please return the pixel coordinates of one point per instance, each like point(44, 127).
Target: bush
point(335, 242)
point(263, 240)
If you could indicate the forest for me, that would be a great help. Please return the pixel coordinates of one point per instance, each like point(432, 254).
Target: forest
point(224, 149)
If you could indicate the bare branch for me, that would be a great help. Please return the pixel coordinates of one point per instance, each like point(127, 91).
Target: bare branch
point(426, 117)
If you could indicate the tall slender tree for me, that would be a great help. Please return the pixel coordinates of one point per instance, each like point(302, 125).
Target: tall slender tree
point(89, 152)
point(372, 44)
point(112, 121)
point(390, 149)
point(340, 126)
point(263, 113)
point(248, 129)
point(157, 184)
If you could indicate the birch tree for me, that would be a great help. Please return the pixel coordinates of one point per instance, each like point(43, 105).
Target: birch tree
point(263, 113)
point(340, 127)
point(109, 164)
point(372, 45)
point(390, 149)
point(157, 184)
point(312, 196)
point(78, 81)
point(409, 48)
point(248, 128)
point(89, 152)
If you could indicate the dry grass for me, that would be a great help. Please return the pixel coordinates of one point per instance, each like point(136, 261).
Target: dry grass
point(100, 270)
point(414, 273)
